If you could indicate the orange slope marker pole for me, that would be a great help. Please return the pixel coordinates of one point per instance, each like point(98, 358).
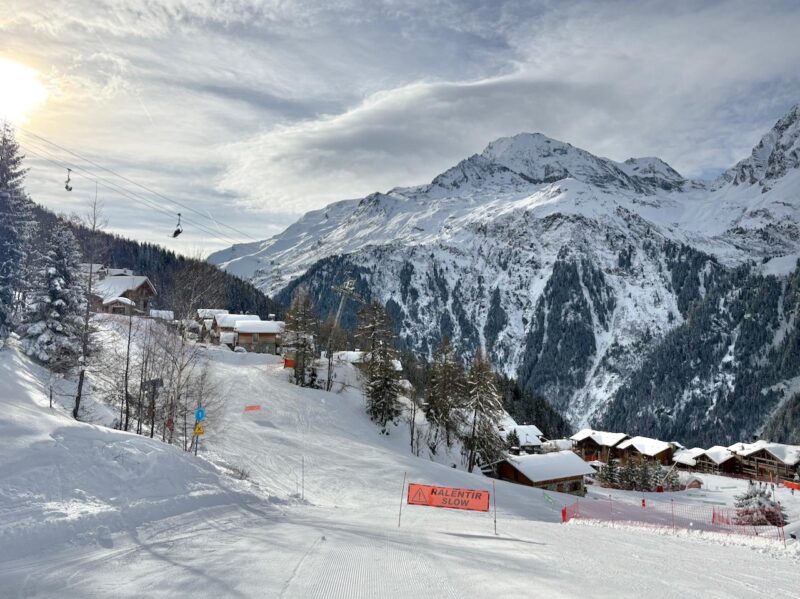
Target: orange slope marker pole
point(256, 408)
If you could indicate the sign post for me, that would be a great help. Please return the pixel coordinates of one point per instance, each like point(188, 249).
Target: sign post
point(402, 490)
point(494, 502)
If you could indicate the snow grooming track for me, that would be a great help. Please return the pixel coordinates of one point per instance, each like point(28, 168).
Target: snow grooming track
point(363, 565)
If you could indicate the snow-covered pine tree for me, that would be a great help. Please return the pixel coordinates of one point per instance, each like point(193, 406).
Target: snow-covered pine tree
point(51, 329)
point(12, 204)
point(609, 474)
point(755, 507)
point(673, 482)
point(301, 324)
point(512, 442)
point(644, 475)
point(627, 475)
point(446, 396)
point(382, 387)
point(485, 410)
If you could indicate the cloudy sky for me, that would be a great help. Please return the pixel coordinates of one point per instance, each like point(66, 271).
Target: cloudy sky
point(251, 112)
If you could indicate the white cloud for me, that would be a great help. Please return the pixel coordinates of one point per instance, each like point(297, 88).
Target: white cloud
point(279, 107)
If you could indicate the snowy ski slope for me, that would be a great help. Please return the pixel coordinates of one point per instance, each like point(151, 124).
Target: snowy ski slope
point(90, 512)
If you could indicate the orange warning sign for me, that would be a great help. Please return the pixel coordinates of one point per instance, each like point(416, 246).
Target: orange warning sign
point(252, 408)
point(449, 497)
point(199, 430)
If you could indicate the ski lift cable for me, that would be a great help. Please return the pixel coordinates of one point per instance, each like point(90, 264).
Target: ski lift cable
point(132, 182)
point(39, 153)
point(133, 196)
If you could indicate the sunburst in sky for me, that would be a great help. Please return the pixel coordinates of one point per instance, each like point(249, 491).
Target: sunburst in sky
point(22, 91)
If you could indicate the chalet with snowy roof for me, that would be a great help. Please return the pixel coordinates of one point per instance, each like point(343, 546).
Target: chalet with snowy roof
point(360, 359)
point(259, 336)
point(765, 460)
point(560, 471)
point(166, 315)
point(529, 435)
point(717, 460)
point(644, 448)
point(686, 459)
point(594, 445)
point(124, 294)
point(222, 327)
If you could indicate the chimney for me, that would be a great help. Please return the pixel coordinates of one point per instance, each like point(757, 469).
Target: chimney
point(270, 317)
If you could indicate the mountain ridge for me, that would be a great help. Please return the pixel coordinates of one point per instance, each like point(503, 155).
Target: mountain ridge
point(534, 240)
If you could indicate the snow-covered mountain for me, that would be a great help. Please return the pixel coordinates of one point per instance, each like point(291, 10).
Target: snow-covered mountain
point(570, 269)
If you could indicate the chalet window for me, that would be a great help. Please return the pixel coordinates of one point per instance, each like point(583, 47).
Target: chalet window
point(255, 337)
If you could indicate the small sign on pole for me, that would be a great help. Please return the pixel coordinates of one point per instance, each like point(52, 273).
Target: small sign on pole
point(199, 430)
point(199, 414)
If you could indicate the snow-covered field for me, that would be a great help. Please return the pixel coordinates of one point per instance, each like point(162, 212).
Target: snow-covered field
point(90, 512)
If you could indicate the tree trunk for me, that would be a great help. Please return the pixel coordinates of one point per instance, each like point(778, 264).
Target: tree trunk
point(127, 371)
point(472, 441)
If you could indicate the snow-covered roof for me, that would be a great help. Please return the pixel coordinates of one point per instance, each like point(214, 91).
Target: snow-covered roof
point(358, 357)
point(528, 434)
point(162, 314)
point(788, 454)
point(228, 321)
point(112, 287)
point(117, 272)
point(118, 300)
point(557, 444)
point(209, 313)
point(603, 438)
point(259, 326)
point(646, 445)
point(551, 466)
point(687, 457)
point(718, 454)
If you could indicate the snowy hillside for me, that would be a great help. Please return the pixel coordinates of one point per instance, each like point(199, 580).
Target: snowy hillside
point(568, 268)
point(90, 512)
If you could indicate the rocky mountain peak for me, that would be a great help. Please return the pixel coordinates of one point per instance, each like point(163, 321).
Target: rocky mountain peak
point(776, 154)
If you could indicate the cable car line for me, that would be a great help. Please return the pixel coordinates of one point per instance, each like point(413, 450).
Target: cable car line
point(116, 188)
point(132, 182)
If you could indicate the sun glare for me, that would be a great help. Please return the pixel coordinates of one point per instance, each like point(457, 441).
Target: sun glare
point(21, 91)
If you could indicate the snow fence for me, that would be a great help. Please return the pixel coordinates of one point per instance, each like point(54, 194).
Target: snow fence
point(754, 522)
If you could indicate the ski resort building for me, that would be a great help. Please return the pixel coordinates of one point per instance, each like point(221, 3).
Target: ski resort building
point(717, 460)
point(560, 471)
point(223, 325)
point(594, 445)
point(644, 448)
point(122, 294)
point(686, 459)
point(259, 336)
point(529, 435)
point(765, 460)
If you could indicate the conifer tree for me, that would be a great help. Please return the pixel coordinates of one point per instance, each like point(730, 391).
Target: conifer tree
point(627, 475)
point(52, 323)
point(512, 441)
point(485, 410)
point(301, 324)
point(12, 207)
point(609, 475)
point(446, 396)
point(382, 387)
point(644, 475)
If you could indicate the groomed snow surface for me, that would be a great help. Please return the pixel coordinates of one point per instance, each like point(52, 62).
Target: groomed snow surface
point(91, 512)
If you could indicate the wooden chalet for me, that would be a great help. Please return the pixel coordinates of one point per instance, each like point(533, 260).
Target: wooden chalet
point(122, 294)
point(259, 336)
point(717, 460)
point(644, 448)
point(592, 445)
point(764, 460)
point(559, 471)
point(529, 435)
point(223, 325)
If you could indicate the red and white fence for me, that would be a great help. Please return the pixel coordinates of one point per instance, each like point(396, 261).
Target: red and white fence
point(669, 514)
